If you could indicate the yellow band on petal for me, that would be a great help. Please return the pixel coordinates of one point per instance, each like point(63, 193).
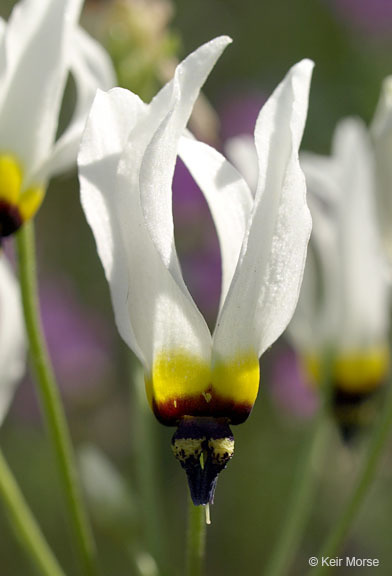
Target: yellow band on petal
point(238, 379)
point(17, 205)
point(30, 201)
point(176, 374)
point(355, 372)
point(183, 385)
point(10, 179)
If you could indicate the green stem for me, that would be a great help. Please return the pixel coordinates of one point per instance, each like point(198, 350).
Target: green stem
point(144, 429)
point(25, 525)
point(300, 505)
point(51, 402)
point(378, 442)
point(303, 489)
point(196, 545)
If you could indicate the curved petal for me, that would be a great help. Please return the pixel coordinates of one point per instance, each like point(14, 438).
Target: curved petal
point(103, 140)
point(363, 271)
point(147, 302)
point(34, 80)
point(316, 318)
point(381, 130)
point(322, 178)
point(153, 308)
point(157, 168)
point(266, 284)
point(152, 311)
point(351, 311)
point(228, 197)
point(2, 57)
point(91, 68)
point(163, 313)
point(241, 151)
point(12, 337)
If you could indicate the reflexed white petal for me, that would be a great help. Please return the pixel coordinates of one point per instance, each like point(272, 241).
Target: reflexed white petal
point(322, 177)
point(2, 56)
point(162, 315)
point(317, 316)
point(304, 330)
point(381, 131)
point(34, 80)
point(101, 147)
point(228, 197)
point(351, 312)
point(161, 311)
point(74, 10)
point(91, 69)
point(152, 311)
point(241, 151)
point(12, 337)
point(362, 266)
point(266, 284)
point(157, 168)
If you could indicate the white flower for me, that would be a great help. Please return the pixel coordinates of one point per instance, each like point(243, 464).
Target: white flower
point(126, 164)
point(351, 312)
point(343, 305)
point(12, 337)
point(381, 130)
point(39, 45)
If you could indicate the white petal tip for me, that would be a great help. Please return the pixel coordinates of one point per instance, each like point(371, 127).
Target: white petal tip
point(304, 66)
point(224, 39)
point(221, 41)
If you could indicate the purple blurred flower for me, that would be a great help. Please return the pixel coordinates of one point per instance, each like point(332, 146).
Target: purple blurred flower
point(370, 16)
point(79, 345)
point(188, 200)
point(238, 113)
point(288, 387)
point(197, 243)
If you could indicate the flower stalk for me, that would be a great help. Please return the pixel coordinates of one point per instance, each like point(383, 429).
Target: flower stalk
point(196, 544)
point(377, 444)
point(51, 402)
point(25, 525)
point(303, 491)
point(148, 474)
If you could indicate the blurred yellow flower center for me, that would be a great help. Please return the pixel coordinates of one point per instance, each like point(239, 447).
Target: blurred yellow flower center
point(182, 385)
point(355, 371)
point(12, 194)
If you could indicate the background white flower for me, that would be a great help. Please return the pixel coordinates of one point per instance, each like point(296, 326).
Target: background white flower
point(344, 296)
point(13, 344)
point(39, 45)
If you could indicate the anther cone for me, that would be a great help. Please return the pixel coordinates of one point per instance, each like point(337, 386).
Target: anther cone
point(203, 446)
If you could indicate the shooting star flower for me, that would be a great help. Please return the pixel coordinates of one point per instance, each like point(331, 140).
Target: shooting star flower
point(343, 306)
point(39, 45)
point(194, 380)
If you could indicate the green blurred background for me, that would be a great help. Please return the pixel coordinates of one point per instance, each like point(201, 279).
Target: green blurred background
point(351, 44)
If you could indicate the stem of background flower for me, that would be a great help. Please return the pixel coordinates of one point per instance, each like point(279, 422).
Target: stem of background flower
point(377, 444)
point(143, 429)
point(303, 490)
point(51, 402)
point(25, 526)
point(196, 544)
